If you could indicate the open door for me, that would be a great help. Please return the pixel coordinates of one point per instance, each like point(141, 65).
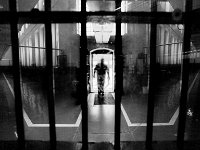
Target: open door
point(95, 56)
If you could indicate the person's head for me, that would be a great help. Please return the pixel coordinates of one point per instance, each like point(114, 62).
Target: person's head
point(102, 60)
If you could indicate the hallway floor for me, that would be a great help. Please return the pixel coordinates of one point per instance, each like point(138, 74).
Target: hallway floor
point(100, 116)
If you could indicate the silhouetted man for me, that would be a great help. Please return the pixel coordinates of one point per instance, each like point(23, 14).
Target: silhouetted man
point(101, 70)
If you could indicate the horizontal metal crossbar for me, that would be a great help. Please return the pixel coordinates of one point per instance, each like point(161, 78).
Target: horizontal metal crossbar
point(72, 17)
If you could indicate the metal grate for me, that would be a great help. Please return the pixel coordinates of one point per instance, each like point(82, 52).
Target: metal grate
point(47, 17)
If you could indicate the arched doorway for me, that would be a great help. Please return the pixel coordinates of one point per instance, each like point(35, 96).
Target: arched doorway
point(95, 56)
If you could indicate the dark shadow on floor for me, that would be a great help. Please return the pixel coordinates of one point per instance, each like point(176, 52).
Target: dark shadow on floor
point(106, 99)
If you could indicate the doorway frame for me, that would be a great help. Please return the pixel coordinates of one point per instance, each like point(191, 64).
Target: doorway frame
point(91, 67)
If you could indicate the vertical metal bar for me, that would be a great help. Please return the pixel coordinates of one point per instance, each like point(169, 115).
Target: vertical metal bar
point(151, 95)
point(16, 74)
point(83, 76)
point(49, 74)
point(119, 76)
point(185, 76)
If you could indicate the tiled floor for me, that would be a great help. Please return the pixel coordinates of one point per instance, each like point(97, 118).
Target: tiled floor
point(100, 117)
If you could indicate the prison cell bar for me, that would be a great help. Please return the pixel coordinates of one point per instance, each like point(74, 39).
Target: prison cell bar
point(19, 115)
point(83, 76)
point(49, 74)
point(185, 76)
point(16, 74)
point(118, 76)
point(152, 78)
point(75, 17)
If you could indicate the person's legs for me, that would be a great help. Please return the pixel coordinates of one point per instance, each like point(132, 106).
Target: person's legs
point(101, 89)
point(103, 81)
point(100, 84)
